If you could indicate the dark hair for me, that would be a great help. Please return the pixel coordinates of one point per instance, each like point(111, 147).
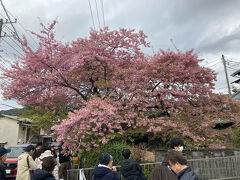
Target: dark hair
point(175, 142)
point(48, 163)
point(38, 153)
point(175, 156)
point(104, 158)
point(126, 153)
point(162, 172)
point(46, 148)
point(29, 148)
point(39, 144)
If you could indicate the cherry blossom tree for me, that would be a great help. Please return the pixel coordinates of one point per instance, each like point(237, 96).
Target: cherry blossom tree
point(110, 88)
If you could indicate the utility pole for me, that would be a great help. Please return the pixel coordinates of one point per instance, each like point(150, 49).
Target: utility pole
point(225, 69)
point(1, 24)
point(9, 19)
point(1, 28)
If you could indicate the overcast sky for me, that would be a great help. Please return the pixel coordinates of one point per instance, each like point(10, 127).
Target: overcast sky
point(211, 27)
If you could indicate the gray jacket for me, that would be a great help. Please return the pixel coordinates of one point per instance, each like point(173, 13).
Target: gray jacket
point(187, 174)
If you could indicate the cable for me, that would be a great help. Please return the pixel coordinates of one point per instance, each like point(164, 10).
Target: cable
point(2, 15)
point(211, 61)
point(9, 18)
point(97, 14)
point(103, 14)
point(12, 47)
point(14, 40)
point(233, 58)
point(16, 43)
point(232, 68)
point(233, 61)
point(213, 65)
point(91, 14)
point(23, 28)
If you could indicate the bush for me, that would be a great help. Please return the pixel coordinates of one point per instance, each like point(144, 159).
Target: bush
point(90, 158)
point(236, 138)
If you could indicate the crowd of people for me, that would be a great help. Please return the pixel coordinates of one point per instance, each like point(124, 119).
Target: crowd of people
point(42, 163)
point(39, 163)
point(173, 167)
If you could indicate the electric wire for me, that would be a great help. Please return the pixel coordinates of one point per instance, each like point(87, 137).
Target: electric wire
point(91, 14)
point(9, 18)
point(214, 65)
point(12, 47)
point(232, 68)
point(233, 62)
point(103, 14)
point(233, 58)
point(208, 63)
point(97, 14)
point(24, 29)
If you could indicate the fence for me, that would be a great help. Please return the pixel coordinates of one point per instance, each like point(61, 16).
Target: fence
point(222, 168)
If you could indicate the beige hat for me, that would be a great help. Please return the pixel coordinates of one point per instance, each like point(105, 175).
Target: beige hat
point(46, 153)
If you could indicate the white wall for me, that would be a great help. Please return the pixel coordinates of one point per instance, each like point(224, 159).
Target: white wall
point(8, 131)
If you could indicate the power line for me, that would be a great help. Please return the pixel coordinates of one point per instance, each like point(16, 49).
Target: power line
point(14, 40)
point(214, 64)
point(15, 43)
point(222, 88)
point(23, 28)
point(233, 58)
point(2, 15)
point(211, 61)
point(9, 19)
point(233, 61)
point(103, 14)
point(91, 14)
point(12, 47)
point(97, 14)
point(232, 68)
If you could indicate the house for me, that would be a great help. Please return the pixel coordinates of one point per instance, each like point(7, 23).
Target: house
point(236, 74)
point(14, 130)
point(236, 96)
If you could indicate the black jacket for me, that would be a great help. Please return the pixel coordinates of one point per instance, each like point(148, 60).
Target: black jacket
point(187, 174)
point(2, 172)
point(104, 173)
point(40, 174)
point(165, 162)
point(62, 157)
point(131, 170)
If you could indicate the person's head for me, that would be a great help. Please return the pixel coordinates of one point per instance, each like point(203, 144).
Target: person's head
point(105, 159)
point(3, 155)
point(39, 145)
point(45, 148)
point(176, 161)
point(162, 172)
point(30, 149)
point(126, 153)
point(177, 144)
point(48, 163)
point(38, 153)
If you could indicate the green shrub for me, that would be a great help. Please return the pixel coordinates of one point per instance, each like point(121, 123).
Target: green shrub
point(90, 158)
point(236, 138)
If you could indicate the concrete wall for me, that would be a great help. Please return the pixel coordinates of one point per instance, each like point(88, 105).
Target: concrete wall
point(8, 131)
point(214, 164)
point(199, 154)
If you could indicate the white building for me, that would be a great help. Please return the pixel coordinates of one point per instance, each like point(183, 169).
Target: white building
point(14, 130)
